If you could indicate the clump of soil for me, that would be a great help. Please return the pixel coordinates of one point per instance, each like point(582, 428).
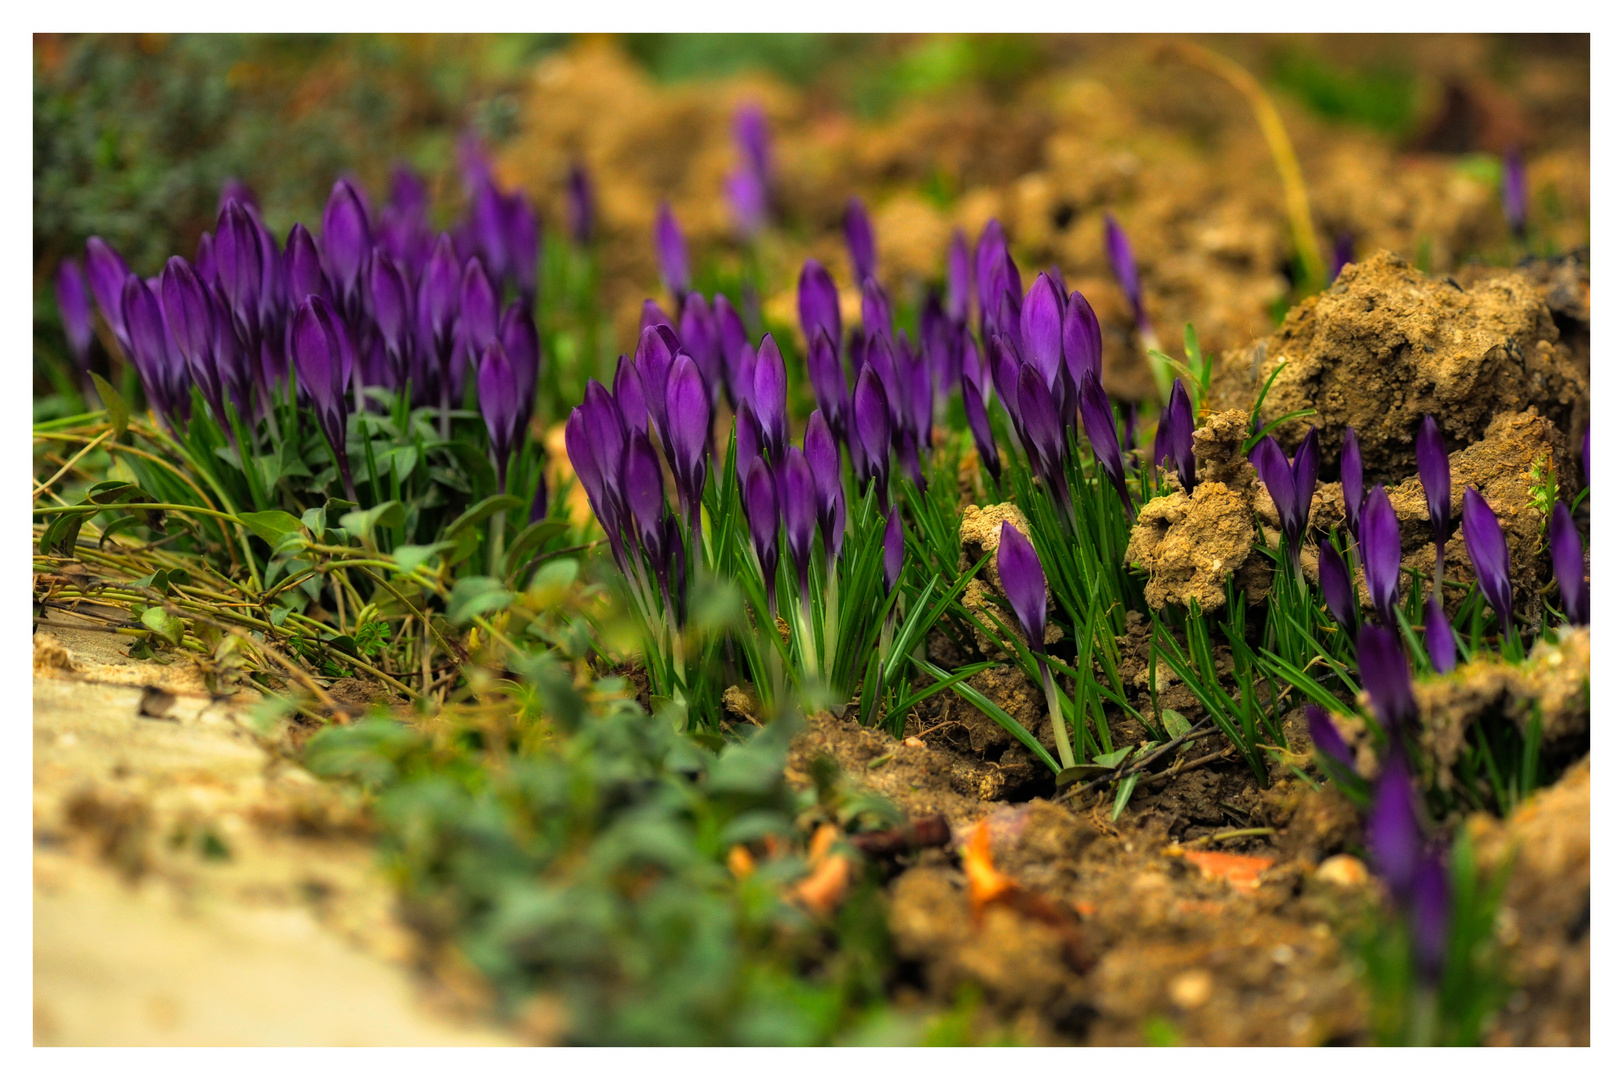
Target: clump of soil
point(1190, 544)
point(1385, 346)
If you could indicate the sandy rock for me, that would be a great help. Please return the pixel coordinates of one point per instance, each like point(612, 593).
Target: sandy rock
point(1191, 544)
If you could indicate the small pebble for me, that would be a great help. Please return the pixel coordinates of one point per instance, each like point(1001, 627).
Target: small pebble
point(913, 741)
point(1343, 870)
point(1191, 989)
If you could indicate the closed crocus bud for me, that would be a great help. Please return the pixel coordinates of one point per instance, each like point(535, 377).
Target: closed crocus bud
point(748, 199)
point(770, 397)
point(305, 277)
point(687, 412)
point(1439, 637)
point(671, 248)
point(1392, 833)
point(654, 315)
point(499, 404)
point(747, 440)
point(1040, 428)
point(1485, 543)
point(700, 340)
point(733, 337)
point(644, 493)
point(656, 353)
point(989, 253)
point(107, 271)
point(1181, 435)
point(1024, 584)
point(1432, 457)
point(1161, 454)
point(204, 263)
point(1005, 368)
point(539, 503)
point(1567, 556)
point(1514, 193)
point(523, 344)
point(1290, 485)
point(439, 298)
point(797, 493)
point(1338, 587)
point(819, 302)
point(871, 427)
point(750, 130)
point(390, 306)
point(1326, 739)
point(859, 240)
point(1099, 423)
point(629, 395)
point(1040, 316)
point(580, 205)
point(1082, 340)
point(913, 372)
point(960, 278)
point(522, 235)
point(607, 432)
point(981, 428)
point(876, 314)
point(73, 303)
point(480, 310)
point(319, 358)
point(761, 508)
point(1006, 308)
point(1380, 548)
point(239, 266)
point(149, 341)
point(1352, 480)
point(189, 309)
point(1384, 668)
point(1430, 910)
point(827, 380)
point(895, 550)
point(345, 241)
point(823, 458)
point(1119, 253)
point(582, 459)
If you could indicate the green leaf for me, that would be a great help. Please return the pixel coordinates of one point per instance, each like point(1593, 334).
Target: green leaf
point(61, 536)
point(987, 706)
point(163, 624)
point(411, 556)
point(118, 410)
point(475, 596)
point(1175, 722)
point(391, 514)
point(1114, 758)
point(1078, 773)
point(270, 525)
point(315, 519)
point(1123, 793)
point(531, 537)
point(481, 510)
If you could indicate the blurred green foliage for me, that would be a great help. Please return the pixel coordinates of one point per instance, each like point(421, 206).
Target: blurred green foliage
point(1382, 96)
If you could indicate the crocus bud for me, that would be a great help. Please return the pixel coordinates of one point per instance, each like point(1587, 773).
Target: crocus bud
point(1119, 253)
point(1040, 428)
point(584, 461)
point(700, 340)
point(770, 397)
point(481, 313)
point(1083, 340)
point(981, 428)
point(520, 338)
point(1024, 584)
point(1326, 739)
point(580, 205)
point(797, 493)
point(1352, 479)
point(629, 396)
point(1099, 423)
point(644, 493)
point(859, 240)
point(605, 428)
point(687, 414)
point(654, 315)
point(1485, 543)
point(189, 310)
point(320, 350)
point(239, 266)
point(1040, 316)
point(761, 508)
point(672, 249)
point(1432, 457)
point(734, 339)
point(1342, 255)
point(1393, 829)
point(1567, 556)
point(345, 241)
point(499, 403)
point(748, 199)
point(1005, 375)
point(204, 263)
point(1430, 913)
point(1439, 637)
point(827, 380)
point(989, 254)
point(656, 353)
point(819, 303)
point(750, 130)
point(1180, 424)
point(439, 298)
point(522, 237)
point(1514, 193)
point(1338, 587)
point(305, 277)
point(149, 348)
point(876, 314)
point(960, 278)
point(823, 458)
point(1290, 485)
point(747, 441)
point(107, 271)
point(871, 426)
point(1380, 548)
point(895, 550)
point(1385, 671)
point(73, 303)
point(390, 306)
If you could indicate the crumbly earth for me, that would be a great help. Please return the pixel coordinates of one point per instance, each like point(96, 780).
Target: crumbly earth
point(1190, 544)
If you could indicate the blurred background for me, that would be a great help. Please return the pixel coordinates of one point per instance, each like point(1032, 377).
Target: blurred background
point(1401, 140)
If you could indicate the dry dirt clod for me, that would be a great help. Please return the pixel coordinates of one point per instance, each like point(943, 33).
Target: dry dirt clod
point(1191, 544)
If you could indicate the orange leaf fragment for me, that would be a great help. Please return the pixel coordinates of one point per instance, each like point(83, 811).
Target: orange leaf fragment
point(824, 888)
point(1240, 871)
point(740, 861)
point(986, 883)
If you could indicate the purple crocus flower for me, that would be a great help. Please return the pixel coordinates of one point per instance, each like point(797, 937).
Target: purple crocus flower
point(828, 381)
point(204, 263)
point(1083, 340)
point(1338, 587)
point(654, 315)
point(107, 271)
point(629, 397)
point(895, 550)
point(1024, 584)
point(1380, 548)
point(1430, 909)
point(672, 249)
point(960, 278)
point(1392, 833)
point(1432, 456)
point(73, 302)
point(485, 224)
point(990, 250)
point(859, 239)
point(521, 237)
point(346, 240)
point(1040, 316)
point(480, 308)
point(747, 196)
point(1341, 256)
point(1384, 668)
point(580, 205)
point(770, 396)
point(1514, 193)
point(1291, 486)
point(1099, 423)
point(1041, 431)
point(761, 508)
point(503, 410)
point(1180, 425)
point(871, 427)
point(439, 298)
point(738, 377)
point(819, 303)
point(747, 441)
point(389, 302)
point(876, 314)
point(702, 341)
point(1326, 739)
point(305, 276)
point(1439, 637)
point(1352, 479)
point(519, 337)
point(239, 266)
point(1567, 556)
point(823, 458)
point(797, 497)
point(190, 312)
point(750, 129)
point(1120, 255)
point(687, 414)
point(1485, 543)
point(150, 348)
point(541, 502)
point(980, 427)
point(320, 350)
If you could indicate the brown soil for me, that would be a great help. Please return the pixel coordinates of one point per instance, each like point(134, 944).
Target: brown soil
point(1190, 544)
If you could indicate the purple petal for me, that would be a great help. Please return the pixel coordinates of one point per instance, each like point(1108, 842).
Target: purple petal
point(1485, 543)
point(1567, 555)
point(687, 414)
point(989, 253)
point(1082, 339)
point(581, 205)
point(1432, 457)
point(1380, 547)
point(1338, 587)
point(1352, 479)
point(859, 240)
point(876, 316)
point(798, 496)
point(1430, 911)
point(871, 422)
point(1181, 435)
point(1023, 583)
point(701, 339)
point(761, 508)
point(1040, 316)
point(672, 250)
point(523, 344)
point(73, 303)
point(107, 271)
point(980, 427)
point(629, 395)
point(1384, 669)
point(1040, 424)
point(1099, 423)
point(960, 278)
point(819, 302)
point(644, 492)
point(1120, 255)
point(770, 396)
point(1393, 830)
point(1326, 738)
point(747, 446)
point(827, 379)
point(499, 404)
point(1439, 637)
point(345, 238)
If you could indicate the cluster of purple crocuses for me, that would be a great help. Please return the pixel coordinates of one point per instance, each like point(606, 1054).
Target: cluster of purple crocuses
point(376, 302)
